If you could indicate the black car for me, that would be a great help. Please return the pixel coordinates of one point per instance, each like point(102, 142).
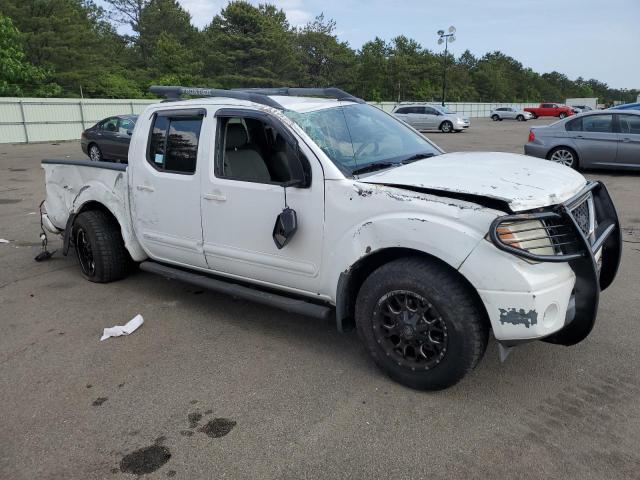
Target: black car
point(109, 139)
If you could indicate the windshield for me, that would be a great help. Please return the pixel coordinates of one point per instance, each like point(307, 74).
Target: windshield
point(359, 138)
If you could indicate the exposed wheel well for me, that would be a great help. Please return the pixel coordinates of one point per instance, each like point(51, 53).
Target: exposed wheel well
point(352, 279)
point(88, 206)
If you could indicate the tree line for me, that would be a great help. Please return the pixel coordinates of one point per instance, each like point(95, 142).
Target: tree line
point(72, 48)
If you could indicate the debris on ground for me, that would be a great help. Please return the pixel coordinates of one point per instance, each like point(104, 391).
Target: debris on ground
point(118, 330)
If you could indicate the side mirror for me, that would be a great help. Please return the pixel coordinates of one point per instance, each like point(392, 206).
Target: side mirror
point(129, 132)
point(285, 227)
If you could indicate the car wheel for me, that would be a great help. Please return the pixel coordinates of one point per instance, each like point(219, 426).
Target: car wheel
point(99, 247)
point(534, 116)
point(446, 127)
point(421, 324)
point(495, 117)
point(95, 154)
point(562, 115)
point(564, 155)
point(520, 118)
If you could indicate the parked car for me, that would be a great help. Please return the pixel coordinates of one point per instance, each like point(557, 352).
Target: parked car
point(602, 138)
point(511, 113)
point(550, 110)
point(323, 205)
point(431, 117)
point(109, 139)
point(626, 106)
point(581, 108)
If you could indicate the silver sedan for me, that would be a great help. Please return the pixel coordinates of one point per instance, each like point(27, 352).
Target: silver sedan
point(597, 139)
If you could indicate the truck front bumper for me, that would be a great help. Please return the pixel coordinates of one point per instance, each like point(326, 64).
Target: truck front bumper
point(552, 297)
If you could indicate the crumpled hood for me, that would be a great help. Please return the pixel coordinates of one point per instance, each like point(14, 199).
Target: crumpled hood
point(521, 181)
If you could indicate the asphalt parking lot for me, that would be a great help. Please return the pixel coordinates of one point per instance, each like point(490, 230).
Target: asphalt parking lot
point(231, 389)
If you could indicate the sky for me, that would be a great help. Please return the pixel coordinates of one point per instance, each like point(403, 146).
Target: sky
point(589, 38)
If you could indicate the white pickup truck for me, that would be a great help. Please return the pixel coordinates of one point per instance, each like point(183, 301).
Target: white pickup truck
point(329, 206)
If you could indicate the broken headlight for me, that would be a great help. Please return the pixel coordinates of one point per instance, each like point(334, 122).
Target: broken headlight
point(529, 235)
point(541, 237)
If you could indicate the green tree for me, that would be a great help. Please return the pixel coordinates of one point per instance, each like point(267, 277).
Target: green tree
point(17, 76)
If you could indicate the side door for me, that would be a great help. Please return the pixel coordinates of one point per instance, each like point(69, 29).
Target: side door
point(402, 113)
point(243, 194)
point(546, 110)
point(165, 185)
point(628, 140)
point(595, 139)
point(510, 112)
point(431, 118)
point(123, 138)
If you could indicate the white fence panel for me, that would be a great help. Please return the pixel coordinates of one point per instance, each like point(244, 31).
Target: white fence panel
point(51, 119)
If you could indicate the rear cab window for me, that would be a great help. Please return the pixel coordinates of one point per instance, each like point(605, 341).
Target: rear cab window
point(174, 140)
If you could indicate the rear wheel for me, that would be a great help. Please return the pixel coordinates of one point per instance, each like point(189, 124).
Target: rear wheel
point(95, 154)
point(420, 323)
point(99, 247)
point(534, 116)
point(446, 127)
point(564, 155)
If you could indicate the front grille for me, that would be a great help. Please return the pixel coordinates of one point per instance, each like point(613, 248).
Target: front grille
point(582, 215)
point(562, 235)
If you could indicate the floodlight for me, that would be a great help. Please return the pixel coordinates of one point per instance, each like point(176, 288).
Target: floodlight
point(440, 41)
point(440, 32)
point(452, 38)
point(452, 29)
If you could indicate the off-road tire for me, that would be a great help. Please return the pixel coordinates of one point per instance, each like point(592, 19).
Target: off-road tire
point(111, 260)
point(458, 306)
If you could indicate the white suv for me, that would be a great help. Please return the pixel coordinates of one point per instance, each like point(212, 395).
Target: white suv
point(511, 113)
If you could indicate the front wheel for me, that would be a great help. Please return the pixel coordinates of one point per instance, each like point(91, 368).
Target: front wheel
point(520, 118)
point(495, 117)
point(421, 324)
point(99, 247)
point(562, 115)
point(446, 127)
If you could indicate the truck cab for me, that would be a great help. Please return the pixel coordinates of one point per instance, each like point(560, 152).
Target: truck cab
point(333, 208)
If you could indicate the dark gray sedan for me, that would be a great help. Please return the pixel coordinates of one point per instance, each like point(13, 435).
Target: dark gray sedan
point(596, 139)
point(109, 139)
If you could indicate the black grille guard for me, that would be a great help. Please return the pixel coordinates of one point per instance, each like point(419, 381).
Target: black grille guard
point(590, 279)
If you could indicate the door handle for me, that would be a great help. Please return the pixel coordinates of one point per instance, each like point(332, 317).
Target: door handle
point(145, 188)
point(218, 197)
point(626, 140)
point(579, 136)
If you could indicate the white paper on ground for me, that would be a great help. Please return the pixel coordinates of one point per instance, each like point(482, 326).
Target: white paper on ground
point(130, 327)
point(2, 240)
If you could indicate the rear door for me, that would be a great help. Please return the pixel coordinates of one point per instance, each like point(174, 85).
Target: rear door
point(628, 140)
point(595, 139)
point(165, 185)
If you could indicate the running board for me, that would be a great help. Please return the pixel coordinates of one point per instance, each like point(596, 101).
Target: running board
point(288, 304)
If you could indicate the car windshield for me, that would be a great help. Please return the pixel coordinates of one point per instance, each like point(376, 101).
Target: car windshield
point(362, 138)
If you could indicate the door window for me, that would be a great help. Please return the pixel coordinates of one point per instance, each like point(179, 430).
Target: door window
point(252, 150)
point(110, 124)
point(629, 124)
point(430, 111)
point(173, 145)
point(597, 123)
point(404, 110)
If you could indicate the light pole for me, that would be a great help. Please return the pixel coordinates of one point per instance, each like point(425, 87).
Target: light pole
point(446, 38)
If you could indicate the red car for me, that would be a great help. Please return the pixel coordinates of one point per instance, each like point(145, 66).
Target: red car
point(550, 110)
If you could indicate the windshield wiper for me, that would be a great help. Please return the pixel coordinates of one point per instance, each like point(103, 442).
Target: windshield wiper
point(417, 156)
point(372, 167)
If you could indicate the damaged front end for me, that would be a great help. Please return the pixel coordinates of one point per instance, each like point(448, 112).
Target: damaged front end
point(585, 233)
